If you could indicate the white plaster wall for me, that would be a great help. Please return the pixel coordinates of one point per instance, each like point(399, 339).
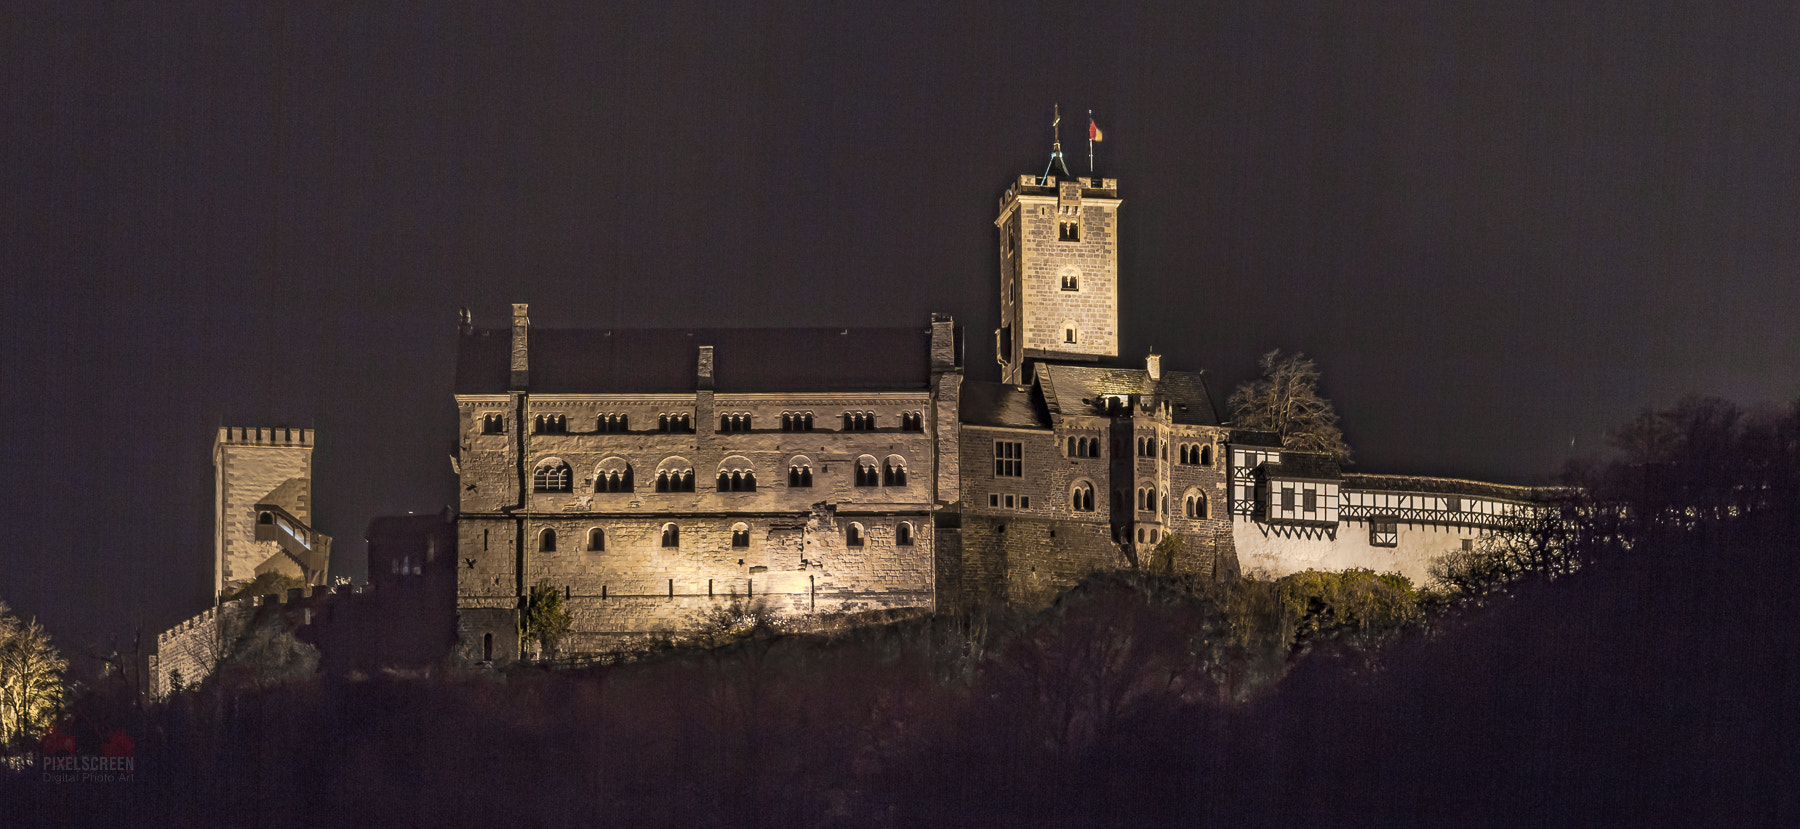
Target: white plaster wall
point(1275, 551)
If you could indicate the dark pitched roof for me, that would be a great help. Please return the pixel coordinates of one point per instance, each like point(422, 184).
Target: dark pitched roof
point(1310, 466)
point(664, 360)
point(1447, 486)
point(1246, 437)
point(1078, 390)
point(1002, 404)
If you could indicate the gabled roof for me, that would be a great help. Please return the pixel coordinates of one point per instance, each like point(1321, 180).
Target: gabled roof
point(1080, 390)
point(1001, 404)
point(664, 360)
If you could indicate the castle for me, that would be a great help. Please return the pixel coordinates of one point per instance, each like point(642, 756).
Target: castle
point(651, 474)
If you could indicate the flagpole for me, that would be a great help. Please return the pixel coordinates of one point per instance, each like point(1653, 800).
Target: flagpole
point(1090, 142)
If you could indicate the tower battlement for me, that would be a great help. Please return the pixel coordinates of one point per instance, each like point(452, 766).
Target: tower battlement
point(264, 436)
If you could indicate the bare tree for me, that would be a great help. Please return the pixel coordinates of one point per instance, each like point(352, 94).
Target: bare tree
point(1285, 400)
point(31, 679)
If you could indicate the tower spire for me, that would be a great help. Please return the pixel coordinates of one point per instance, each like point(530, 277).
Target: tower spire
point(1056, 164)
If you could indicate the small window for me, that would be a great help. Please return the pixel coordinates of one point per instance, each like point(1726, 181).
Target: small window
point(265, 518)
point(671, 536)
point(799, 474)
point(596, 540)
point(1311, 501)
point(1024, 502)
point(1287, 499)
point(1009, 502)
point(740, 536)
point(993, 499)
point(1069, 230)
point(853, 537)
point(493, 424)
point(1071, 282)
point(1206, 455)
point(893, 472)
point(547, 541)
point(1384, 534)
point(1069, 334)
point(903, 535)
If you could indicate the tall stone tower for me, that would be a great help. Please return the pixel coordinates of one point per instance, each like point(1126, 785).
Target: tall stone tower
point(263, 507)
point(1059, 270)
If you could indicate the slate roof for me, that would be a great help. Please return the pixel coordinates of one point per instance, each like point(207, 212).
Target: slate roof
point(1247, 437)
point(664, 360)
point(1446, 486)
point(1076, 390)
point(1002, 404)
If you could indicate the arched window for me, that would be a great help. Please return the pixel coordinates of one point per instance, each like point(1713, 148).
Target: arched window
point(487, 647)
point(737, 475)
point(551, 476)
point(853, 535)
point(1081, 498)
point(671, 536)
point(800, 472)
point(1071, 282)
point(612, 475)
point(547, 541)
point(1206, 455)
point(675, 475)
point(1196, 506)
point(265, 518)
point(740, 535)
point(893, 471)
point(903, 534)
point(867, 474)
point(596, 540)
point(492, 424)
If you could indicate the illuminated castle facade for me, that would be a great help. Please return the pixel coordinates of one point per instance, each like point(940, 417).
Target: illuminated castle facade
point(651, 474)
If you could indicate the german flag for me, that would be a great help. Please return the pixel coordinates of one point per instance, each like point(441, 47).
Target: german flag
point(1093, 130)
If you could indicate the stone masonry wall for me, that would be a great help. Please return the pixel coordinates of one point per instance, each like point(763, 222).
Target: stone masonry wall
point(254, 465)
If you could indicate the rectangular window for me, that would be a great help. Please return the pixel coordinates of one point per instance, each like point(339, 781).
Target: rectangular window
point(1287, 499)
point(1008, 459)
point(993, 499)
point(1311, 501)
point(1024, 502)
point(1384, 534)
point(1009, 502)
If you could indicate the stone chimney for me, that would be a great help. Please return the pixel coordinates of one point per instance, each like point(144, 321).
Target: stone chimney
point(521, 361)
point(1153, 364)
point(704, 369)
point(943, 342)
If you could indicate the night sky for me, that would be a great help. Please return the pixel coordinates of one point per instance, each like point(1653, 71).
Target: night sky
point(1499, 228)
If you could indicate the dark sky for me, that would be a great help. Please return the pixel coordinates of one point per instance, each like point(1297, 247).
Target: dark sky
point(1500, 228)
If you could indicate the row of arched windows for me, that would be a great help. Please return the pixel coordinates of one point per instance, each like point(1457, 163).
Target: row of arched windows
point(1147, 448)
point(675, 423)
point(796, 421)
point(859, 421)
point(854, 536)
point(1196, 455)
point(1084, 448)
point(912, 421)
point(614, 475)
point(738, 422)
point(557, 424)
point(550, 425)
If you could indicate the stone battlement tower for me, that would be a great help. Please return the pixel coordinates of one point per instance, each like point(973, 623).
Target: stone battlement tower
point(1059, 270)
point(263, 507)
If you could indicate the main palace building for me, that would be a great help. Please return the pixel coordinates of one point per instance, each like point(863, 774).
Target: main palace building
point(650, 474)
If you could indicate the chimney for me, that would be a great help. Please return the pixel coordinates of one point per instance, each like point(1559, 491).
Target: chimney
point(1153, 364)
point(705, 369)
point(943, 342)
point(521, 362)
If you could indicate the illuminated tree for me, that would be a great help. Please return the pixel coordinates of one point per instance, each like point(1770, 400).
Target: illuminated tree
point(546, 618)
point(1285, 400)
point(31, 679)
